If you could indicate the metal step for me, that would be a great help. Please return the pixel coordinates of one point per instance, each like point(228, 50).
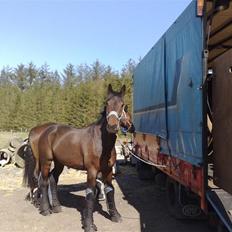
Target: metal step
point(221, 201)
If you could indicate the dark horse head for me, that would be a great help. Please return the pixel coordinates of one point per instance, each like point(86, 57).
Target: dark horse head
point(114, 109)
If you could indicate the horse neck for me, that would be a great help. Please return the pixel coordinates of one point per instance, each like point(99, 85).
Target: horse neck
point(108, 139)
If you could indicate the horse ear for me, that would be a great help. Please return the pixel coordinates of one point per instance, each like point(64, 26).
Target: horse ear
point(123, 90)
point(110, 90)
point(126, 108)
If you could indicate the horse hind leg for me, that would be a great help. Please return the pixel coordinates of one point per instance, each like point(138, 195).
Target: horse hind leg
point(53, 180)
point(34, 197)
point(43, 186)
point(30, 177)
point(100, 190)
point(35, 193)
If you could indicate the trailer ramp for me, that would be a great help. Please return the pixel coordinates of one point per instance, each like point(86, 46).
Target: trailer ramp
point(221, 201)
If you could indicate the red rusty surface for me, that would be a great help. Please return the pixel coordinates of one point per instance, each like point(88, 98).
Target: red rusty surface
point(147, 148)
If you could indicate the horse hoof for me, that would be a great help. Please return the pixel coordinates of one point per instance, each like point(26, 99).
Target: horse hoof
point(91, 228)
point(116, 218)
point(56, 209)
point(94, 227)
point(28, 197)
point(45, 212)
point(36, 205)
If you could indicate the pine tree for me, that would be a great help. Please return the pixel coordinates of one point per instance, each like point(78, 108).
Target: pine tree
point(69, 76)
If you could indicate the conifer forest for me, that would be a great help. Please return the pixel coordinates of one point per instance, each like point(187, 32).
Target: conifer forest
point(31, 95)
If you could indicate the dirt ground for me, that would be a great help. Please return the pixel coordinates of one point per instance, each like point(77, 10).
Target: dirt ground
point(141, 204)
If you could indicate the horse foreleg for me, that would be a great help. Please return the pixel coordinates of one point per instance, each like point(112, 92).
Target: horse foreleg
point(90, 201)
point(109, 192)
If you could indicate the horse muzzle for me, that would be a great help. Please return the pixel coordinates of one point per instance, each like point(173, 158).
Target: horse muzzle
point(112, 129)
point(113, 122)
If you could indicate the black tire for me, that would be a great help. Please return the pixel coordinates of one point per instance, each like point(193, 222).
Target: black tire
point(144, 171)
point(11, 149)
point(172, 199)
point(5, 157)
point(19, 156)
point(182, 203)
point(160, 179)
point(16, 142)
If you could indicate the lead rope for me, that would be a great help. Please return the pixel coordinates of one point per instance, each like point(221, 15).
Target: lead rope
point(137, 157)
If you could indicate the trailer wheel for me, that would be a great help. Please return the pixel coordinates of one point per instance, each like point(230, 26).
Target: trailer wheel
point(182, 204)
point(160, 179)
point(172, 199)
point(144, 171)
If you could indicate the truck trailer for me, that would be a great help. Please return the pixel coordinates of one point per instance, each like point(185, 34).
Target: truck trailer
point(182, 110)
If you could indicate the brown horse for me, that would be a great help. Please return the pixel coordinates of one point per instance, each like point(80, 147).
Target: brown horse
point(90, 148)
point(33, 139)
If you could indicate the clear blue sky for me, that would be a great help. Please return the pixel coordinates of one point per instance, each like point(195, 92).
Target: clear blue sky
point(80, 31)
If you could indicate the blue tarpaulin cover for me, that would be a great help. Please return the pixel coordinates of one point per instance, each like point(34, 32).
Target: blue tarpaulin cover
point(167, 94)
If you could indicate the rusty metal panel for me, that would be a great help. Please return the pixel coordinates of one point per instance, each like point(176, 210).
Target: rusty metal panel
point(147, 147)
point(222, 120)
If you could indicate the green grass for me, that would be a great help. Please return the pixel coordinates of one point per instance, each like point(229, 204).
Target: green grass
point(6, 137)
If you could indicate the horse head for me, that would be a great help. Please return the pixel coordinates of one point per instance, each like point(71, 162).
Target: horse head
point(126, 121)
point(114, 109)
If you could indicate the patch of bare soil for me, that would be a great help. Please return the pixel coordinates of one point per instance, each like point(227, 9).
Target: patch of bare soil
point(141, 204)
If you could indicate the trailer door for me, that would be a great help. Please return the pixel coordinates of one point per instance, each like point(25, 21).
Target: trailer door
point(222, 120)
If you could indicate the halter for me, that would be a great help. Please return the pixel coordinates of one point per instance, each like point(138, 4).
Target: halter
point(130, 124)
point(119, 118)
point(114, 113)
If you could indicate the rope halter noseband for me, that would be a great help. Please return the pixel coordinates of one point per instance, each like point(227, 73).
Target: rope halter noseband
point(119, 118)
point(115, 114)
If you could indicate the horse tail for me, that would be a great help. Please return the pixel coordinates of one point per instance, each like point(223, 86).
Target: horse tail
point(29, 178)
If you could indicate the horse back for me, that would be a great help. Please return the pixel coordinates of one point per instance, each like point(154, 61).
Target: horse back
point(70, 146)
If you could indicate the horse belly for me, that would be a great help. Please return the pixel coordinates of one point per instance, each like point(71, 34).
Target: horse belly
point(69, 157)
